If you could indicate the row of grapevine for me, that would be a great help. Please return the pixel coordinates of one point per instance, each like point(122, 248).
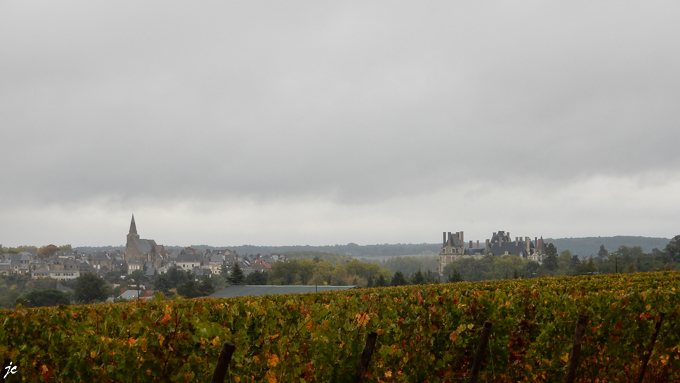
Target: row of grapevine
point(425, 334)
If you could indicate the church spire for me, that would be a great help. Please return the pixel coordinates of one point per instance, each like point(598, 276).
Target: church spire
point(133, 226)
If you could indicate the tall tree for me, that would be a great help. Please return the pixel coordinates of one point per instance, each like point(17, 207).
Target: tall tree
point(673, 249)
point(418, 278)
point(398, 279)
point(550, 249)
point(162, 284)
point(177, 276)
point(90, 287)
point(602, 253)
point(236, 277)
point(550, 262)
point(588, 267)
point(370, 282)
point(188, 289)
point(454, 277)
point(256, 278)
point(205, 287)
point(381, 281)
point(431, 277)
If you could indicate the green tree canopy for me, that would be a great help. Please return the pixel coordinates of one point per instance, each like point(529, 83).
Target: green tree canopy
point(454, 277)
point(398, 279)
point(137, 276)
point(381, 281)
point(586, 267)
point(42, 298)
point(90, 287)
point(205, 287)
point(550, 249)
point(189, 289)
point(362, 269)
point(673, 249)
point(162, 284)
point(550, 262)
point(236, 277)
point(177, 276)
point(418, 278)
point(256, 278)
point(112, 276)
point(602, 253)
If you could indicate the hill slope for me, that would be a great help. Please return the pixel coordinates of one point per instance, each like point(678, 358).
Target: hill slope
point(588, 246)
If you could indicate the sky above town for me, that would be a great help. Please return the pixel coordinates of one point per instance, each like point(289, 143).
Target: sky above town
point(321, 123)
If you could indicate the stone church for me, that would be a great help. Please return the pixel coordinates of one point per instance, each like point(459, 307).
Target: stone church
point(141, 249)
point(454, 247)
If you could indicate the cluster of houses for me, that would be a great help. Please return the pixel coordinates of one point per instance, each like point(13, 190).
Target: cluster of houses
point(65, 265)
point(140, 254)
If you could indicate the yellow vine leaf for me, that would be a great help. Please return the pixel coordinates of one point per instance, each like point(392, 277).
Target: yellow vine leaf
point(273, 360)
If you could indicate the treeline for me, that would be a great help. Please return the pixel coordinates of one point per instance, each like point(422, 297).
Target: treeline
point(624, 260)
point(587, 246)
point(584, 246)
point(14, 285)
point(350, 249)
point(20, 288)
point(44, 251)
point(352, 273)
point(317, 256)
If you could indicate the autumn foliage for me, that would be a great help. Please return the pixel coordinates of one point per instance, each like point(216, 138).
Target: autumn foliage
point(427, 333)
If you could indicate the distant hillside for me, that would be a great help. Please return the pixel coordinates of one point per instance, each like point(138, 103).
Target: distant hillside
point(311, 255)
point(582, 246)
point(591, 245)
point(351, 249)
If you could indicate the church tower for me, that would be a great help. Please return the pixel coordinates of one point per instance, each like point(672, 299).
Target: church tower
point(133, 231)
point(130, 248)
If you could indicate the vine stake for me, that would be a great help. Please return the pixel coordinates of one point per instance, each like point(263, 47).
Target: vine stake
point(366, 357)
point(223, 362)
point(479, 355)
point(576, 348)
point(650, 348)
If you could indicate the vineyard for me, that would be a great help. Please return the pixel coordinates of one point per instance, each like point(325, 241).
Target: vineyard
point(426, 333)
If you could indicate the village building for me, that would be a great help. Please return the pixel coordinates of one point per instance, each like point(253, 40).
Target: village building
point(144, 249)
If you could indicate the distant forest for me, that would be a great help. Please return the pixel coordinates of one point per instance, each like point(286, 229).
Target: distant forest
point(351, 249)
point(584, 247)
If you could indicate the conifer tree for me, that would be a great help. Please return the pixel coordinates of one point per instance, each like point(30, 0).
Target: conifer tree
point(455, 276)
point(236, 277)
point(398, 279)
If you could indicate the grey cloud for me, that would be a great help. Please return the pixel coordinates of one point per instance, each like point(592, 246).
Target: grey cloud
point(354, 102)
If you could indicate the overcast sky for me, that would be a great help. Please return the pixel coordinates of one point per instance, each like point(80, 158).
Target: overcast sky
point(282, 123)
